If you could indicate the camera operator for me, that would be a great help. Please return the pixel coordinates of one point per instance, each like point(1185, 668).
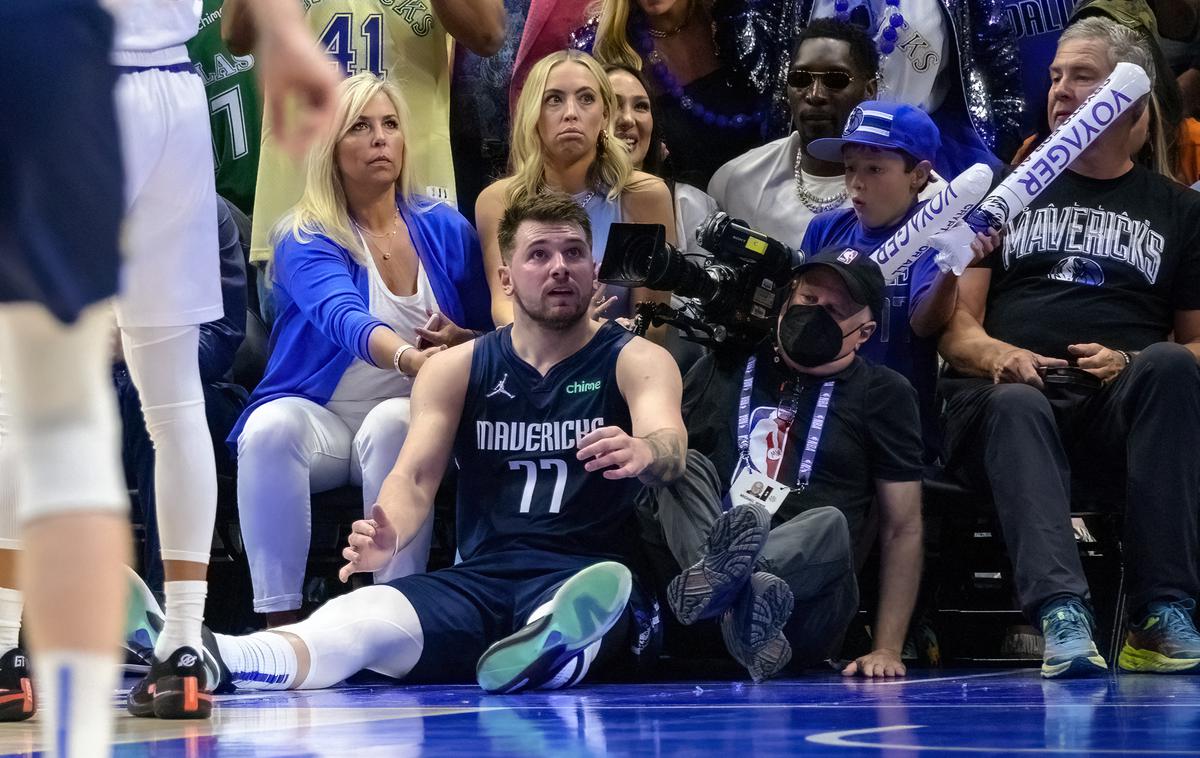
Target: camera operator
point(821, 435)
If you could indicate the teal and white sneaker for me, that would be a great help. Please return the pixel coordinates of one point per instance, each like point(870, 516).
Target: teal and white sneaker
point(144, 619)
point(1070, 651)
point(585, 607)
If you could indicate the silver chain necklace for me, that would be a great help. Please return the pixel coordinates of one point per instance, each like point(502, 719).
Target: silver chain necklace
point(814, 202)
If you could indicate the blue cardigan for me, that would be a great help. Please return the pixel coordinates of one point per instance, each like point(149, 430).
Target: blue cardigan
point(322, 303)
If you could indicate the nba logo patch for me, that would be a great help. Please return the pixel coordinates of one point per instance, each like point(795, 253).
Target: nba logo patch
point(855, 121)
point(848, 256)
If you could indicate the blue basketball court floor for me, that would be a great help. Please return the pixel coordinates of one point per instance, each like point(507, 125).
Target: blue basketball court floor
point(933, 711)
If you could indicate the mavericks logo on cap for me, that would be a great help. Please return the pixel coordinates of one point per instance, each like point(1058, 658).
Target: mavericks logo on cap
point(855, 121)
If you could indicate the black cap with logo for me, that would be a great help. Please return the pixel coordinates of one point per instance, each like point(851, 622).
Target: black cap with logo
point(864, 280)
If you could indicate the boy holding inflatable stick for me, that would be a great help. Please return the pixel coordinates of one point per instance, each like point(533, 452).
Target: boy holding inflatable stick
point(887, 150)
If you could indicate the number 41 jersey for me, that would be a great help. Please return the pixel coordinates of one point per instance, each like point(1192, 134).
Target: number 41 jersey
point(520, 485)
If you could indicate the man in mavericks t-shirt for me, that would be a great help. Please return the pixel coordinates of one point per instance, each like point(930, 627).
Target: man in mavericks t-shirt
point(1062, 345)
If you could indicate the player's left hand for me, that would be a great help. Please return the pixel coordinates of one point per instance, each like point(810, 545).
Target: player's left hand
point(371, 544)
point(1098, 360)
point(882, 662)
point(612, 446)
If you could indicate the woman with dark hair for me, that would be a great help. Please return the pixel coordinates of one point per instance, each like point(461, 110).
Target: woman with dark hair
point(713, 102)
point(641, 133)
point(638, 130)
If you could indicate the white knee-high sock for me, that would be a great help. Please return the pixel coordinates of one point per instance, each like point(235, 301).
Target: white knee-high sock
point(184, 617)
point(10, 537)
point(77, 690)
point(259, 661)
point(374, 628)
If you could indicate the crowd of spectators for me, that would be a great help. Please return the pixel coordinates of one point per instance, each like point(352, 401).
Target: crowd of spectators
point(1068, 347)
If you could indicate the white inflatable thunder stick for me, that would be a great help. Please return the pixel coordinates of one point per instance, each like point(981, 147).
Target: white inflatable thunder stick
point(1122, 89)
point(943, 211)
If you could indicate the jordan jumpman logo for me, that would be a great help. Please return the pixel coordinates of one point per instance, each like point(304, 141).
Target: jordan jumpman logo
point(500, 390)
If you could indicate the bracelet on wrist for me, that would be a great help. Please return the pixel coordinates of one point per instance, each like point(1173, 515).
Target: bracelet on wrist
point(1126, 356)
point(399, 356)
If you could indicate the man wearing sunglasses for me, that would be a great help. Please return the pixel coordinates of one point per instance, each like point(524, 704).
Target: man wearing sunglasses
point(887, 152)
point(779, 187)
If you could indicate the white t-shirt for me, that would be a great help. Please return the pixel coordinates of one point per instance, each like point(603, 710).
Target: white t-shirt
point(759, 187)
point(691, 208)
point(403, 313)
point(153, 32)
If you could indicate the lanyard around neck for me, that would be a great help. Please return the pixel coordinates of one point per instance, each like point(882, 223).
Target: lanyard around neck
point(815, 428)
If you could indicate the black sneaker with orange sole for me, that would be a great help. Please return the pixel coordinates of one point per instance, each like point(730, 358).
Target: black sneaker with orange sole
point(16, 687)
point(176, 688)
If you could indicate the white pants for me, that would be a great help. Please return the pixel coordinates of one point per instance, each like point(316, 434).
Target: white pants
point(292, 447)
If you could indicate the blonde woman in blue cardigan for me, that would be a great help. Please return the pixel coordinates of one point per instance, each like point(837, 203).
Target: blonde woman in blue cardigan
point(360, 265)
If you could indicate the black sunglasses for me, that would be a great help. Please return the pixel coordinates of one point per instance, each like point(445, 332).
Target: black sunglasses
point(833, 80)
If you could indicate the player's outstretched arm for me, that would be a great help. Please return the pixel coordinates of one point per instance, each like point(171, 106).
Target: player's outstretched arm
point(298, 82)
point(407, 493)
point(650, 383)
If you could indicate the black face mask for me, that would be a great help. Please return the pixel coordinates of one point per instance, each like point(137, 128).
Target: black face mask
point(810, 337)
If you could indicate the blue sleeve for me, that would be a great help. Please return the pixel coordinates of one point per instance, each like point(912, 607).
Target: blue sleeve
point(449, 250)
point(472, 285)
point(920, 279)
point(815, 234)
point(219, 340)
point(318, 275)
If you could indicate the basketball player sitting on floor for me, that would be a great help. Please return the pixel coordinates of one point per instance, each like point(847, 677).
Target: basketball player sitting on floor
point(552, 421)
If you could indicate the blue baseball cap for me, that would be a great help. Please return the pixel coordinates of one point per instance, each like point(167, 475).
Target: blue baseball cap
point(889, 126)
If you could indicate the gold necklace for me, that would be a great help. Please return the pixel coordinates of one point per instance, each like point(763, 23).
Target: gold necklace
point(390, 236)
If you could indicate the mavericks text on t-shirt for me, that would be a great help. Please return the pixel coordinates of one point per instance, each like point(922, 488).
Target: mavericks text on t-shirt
point(1097, 260)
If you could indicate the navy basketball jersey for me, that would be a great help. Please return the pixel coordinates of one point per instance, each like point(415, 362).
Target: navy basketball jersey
point(520, 485)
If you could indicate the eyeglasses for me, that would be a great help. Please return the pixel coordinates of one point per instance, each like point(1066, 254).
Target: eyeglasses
point(831, 80)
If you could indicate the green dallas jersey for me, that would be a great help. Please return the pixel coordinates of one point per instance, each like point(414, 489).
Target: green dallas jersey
point(234, 107)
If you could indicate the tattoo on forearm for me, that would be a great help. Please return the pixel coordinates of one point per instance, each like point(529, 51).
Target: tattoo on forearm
point(666, 446)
